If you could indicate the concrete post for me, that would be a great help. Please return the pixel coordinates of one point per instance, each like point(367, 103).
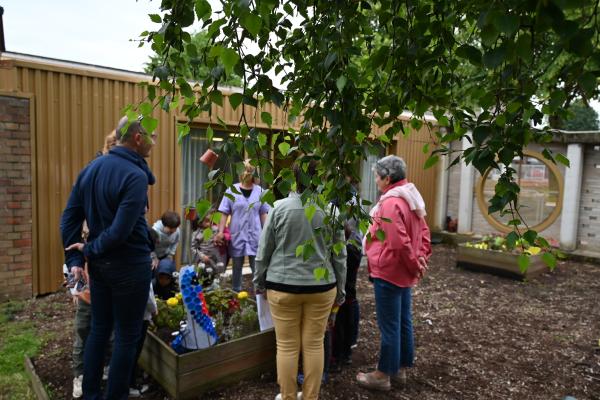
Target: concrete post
point(569, 220)
point(441, 196)
point(465, 199)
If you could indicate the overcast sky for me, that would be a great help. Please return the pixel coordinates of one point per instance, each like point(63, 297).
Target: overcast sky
point(91, 31)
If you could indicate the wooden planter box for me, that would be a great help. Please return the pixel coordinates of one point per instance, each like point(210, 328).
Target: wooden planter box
point(189, 375)
point(497, 262)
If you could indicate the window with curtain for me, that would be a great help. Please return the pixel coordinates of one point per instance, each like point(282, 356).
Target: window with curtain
point(194, 175)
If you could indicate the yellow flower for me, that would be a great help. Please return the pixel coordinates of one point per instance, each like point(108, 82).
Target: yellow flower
point(172, 302)
point(533, 250)
point(242, 295)
point(178, 296)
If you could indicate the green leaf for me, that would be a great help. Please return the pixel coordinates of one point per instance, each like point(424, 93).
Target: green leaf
point(507, 24)
point(563, 160)
point(149, 124)
point(145, 108)
point(182, 131)
point(299, 250)
point(523, 47)
point(284, 148)
point(470, 53)
point(338, 247)
point(266, 118)
point(268, 197)
point(202, 208)
point(310, 211)
point(588, 83)
point(216, 217)
point(501, 120)
point(262, 140)
point(340, 83)
point(252, 23)
point(203, 9)
point(319, 273)
point(308, 252)
point(431, 161)
point(331, 57)
point(360, 137)
point(216, 97)
point(524, 262)
point(481, 133)
point(425, 149)
point(380, 235)
point(489, 34)
point(235, 99)
point(530, 236)
point(550, 260)
point(494, 57)
point(209, 133)
point(207, 234)
point(229, 58)
point(511, 240)
point(155, 18)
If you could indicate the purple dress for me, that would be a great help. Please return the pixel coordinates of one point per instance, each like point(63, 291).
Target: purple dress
point(245, 224)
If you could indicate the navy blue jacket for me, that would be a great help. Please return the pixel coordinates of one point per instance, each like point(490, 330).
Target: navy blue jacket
point(111, 194)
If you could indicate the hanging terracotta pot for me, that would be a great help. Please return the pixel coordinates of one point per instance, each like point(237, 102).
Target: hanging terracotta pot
point(209, 158)
point(190, 214)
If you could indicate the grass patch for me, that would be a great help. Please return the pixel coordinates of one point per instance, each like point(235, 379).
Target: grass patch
point(17, 339)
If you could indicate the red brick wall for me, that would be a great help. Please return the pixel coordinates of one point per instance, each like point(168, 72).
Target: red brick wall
point(15, 199)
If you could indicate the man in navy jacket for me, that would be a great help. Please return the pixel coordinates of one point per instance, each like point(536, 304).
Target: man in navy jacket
point(111, 195)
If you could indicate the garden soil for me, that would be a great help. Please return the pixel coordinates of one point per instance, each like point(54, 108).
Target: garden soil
point(478, 336)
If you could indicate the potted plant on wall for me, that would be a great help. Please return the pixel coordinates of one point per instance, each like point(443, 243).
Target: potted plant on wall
point(496, 254)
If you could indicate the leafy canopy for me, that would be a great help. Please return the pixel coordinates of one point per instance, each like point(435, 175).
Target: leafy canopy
point(490, 70)
point(190, 64)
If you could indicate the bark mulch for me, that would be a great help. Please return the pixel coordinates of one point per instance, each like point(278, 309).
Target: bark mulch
point(478, 336)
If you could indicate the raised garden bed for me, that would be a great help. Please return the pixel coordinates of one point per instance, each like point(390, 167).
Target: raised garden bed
point(497, 262)
point(188, 375)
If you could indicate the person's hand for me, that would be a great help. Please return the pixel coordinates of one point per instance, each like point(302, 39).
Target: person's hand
point(332, 316)
point(154, 263)
point(78, 273)
point(205, 259)
point(219, 239)
point(76, 246)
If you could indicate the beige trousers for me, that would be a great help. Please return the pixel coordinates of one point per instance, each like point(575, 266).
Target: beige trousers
point(300, 321)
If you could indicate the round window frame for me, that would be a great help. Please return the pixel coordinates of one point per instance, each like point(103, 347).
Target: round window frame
point(483, 207)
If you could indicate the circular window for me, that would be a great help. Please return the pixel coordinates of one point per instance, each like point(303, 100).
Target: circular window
point(540, 198)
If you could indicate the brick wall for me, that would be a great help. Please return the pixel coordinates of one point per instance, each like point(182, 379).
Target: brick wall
point(589, 213)
point(15, 199)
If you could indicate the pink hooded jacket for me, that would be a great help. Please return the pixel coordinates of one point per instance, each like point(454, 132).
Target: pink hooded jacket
point(406, 239)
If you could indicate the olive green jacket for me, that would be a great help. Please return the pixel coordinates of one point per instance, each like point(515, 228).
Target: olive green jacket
point(286, 228)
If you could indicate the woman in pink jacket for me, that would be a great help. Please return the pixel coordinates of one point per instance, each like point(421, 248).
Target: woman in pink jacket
point(395, 265)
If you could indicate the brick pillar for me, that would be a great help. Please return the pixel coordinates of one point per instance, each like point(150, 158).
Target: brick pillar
point(15, 199)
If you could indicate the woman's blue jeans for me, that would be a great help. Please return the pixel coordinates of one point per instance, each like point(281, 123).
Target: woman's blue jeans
point(119, 293)
point(394, 318)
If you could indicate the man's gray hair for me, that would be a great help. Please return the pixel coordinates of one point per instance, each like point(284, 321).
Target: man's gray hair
point(392, 166)
point(126, 129)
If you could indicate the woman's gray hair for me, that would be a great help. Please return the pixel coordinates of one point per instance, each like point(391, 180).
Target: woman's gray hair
point(392, 166)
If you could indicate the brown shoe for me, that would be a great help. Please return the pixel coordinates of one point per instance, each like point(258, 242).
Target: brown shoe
point(370, 381)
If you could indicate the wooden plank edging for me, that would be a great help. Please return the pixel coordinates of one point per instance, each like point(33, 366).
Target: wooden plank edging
point(36, 383)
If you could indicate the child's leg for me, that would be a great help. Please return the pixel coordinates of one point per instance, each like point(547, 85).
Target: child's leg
point(83, 322)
